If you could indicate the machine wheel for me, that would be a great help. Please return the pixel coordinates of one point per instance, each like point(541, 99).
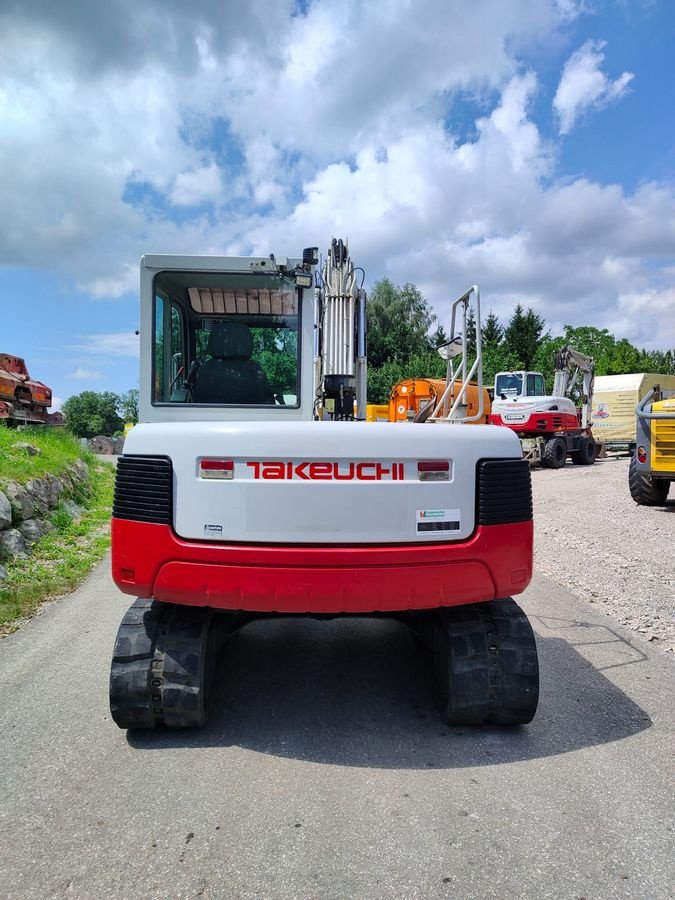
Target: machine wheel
point(585, 455)
point(555, 453)
point(163, 666)
point(644, 489)
point(486, 666)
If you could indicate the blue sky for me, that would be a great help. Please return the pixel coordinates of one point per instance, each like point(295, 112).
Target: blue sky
point(528, 146)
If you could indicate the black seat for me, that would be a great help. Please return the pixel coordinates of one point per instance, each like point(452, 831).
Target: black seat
point(231, 376)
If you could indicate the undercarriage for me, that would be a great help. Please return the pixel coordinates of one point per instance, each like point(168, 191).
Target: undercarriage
point(482, 656)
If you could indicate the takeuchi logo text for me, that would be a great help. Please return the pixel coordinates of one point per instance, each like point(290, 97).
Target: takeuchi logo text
point(327, 471)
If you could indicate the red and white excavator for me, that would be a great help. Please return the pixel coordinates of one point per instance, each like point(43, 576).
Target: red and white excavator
point(551, 427)
point(250, 489)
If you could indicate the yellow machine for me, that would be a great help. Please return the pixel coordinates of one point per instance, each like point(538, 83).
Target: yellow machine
point(652, 468)
point(413, 395)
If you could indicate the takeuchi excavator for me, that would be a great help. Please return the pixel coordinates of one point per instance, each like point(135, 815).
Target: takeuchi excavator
point(253, 488)
point(550, 426)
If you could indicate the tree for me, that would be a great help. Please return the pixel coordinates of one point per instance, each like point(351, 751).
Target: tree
point(493, 333)
point(523, 334)
point(382, 379)
point(275, 349)
point(90, 413)
point(399, 319)
point(129, 406)
point(471, 333)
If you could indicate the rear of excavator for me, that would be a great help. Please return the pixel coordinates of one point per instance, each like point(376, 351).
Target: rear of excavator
point(244, 494)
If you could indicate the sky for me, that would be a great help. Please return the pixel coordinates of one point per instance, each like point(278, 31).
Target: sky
point(528, 146)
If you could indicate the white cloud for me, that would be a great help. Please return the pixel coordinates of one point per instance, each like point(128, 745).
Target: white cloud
point(638, 311)
point(82, 374)
point(198, 186)
point(240, 128)
point(123, 343)
point(57, 404)
point(583, 86)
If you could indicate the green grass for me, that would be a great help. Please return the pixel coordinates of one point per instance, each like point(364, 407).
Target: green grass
point(61, 560)
point(57, 449)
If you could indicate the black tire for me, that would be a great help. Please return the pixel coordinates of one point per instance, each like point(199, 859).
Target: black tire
point(644, 489)
point(163, 666)
point(486, 665)
point(587, 452)
point(555, 453)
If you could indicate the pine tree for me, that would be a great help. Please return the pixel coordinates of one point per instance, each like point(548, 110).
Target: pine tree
point(522, 335)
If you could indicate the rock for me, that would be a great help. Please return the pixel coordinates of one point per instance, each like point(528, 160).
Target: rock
point(32, 530)
point(55, 489)
point(73, 510)
point(28, 449)
point(66, 482)
point(79, 470)
point(5, 512)
point(20, 501)
point(101, 445)
point(3, 573)
point(38, 489)
point(12, 544)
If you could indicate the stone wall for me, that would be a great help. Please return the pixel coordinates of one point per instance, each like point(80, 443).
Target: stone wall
point(26, 510)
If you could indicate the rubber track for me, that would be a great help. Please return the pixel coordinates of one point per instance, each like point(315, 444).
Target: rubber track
point(162, 666)
point(486, 666)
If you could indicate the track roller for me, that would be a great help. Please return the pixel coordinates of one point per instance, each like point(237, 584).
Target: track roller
point(485, 663)
point(163, 665)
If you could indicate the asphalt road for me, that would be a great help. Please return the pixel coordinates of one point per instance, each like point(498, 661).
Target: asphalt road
point(326, 772)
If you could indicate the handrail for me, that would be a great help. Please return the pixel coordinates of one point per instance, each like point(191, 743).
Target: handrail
point(462, 375)
point(640, 412)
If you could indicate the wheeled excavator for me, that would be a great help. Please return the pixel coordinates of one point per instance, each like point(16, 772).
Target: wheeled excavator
point(253, 487)
point(551, 426)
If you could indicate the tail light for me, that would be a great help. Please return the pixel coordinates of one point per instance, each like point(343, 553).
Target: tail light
point(641, 455)
point(216, 468)
point(433, 470)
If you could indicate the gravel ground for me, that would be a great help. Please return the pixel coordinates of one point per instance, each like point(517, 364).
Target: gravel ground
point(591, 538)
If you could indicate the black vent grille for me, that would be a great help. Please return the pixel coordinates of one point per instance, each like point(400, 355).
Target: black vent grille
point(144, 489)
point(504, 491)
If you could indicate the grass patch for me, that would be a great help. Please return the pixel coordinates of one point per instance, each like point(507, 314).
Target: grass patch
point(62, 558)
point(58, 448)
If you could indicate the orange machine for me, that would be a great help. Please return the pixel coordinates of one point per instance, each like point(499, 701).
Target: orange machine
point(411, 395)
point(22, 400)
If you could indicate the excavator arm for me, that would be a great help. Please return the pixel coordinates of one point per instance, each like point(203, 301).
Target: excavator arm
point(575, 373)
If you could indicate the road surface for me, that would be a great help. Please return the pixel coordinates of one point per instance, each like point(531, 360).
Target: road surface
point(326, 773)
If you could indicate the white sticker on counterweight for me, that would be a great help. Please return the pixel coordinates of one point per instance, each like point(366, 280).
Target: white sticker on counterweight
point(438, 521)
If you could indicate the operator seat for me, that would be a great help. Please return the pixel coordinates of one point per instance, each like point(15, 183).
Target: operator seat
point(231, 376)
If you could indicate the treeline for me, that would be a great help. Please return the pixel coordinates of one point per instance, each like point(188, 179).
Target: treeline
point(92, 413)
point(403, 333)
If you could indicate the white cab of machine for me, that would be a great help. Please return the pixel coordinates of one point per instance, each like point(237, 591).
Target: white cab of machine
point(517, 395)
point(269, 471)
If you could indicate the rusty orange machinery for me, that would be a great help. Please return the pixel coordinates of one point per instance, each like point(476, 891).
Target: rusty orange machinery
point(22, 400)
point(411, 395)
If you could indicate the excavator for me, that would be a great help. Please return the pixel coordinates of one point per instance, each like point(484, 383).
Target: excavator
point(23, 401)
point(551, 427)
point(253, 488)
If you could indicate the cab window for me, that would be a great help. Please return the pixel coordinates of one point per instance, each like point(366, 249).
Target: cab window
point(226, 340)
point(535, 385)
